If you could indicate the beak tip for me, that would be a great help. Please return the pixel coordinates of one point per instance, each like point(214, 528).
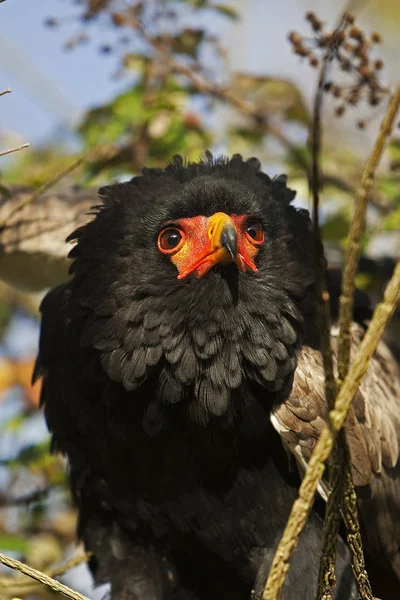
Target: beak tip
point(229, 240)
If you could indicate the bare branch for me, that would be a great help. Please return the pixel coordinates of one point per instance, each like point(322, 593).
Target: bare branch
point(17, 149)
point(352, 254)
point(42, 578)
point(326, 579)
point(357, 228)
point(7, 91)
point(40, 191)
point(21, 585)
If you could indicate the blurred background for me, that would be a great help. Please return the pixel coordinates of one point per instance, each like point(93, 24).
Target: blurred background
point(123, 84)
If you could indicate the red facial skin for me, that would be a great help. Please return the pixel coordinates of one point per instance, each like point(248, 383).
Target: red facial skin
point(200, 247)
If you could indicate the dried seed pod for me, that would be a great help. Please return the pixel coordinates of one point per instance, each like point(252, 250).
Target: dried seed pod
point(364, 60)
point(345, 65)
point(356, 33)
point(119, 19)
point(376, 38)
point(317, 26)
point(105, 49)
point(354, 97)
point(295, 38)
point(340, 37)
point(374, 100)
point(337, 91)
point(350, 50)
point(51, 22)
point(324, 40)
point(301, 51)
point(364, 71)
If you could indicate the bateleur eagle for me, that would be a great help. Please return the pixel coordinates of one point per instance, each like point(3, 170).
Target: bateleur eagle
point(180, 355)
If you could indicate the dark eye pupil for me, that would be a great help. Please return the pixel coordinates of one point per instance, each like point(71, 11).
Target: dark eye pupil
point(173, 239)
point(253, 231)
point(170, 239)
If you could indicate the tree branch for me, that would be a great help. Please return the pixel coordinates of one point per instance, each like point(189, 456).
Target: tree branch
point(326, 578)
point(346, 302)
point(42, 578)
point(17, 149)
point(39, 192)
point(15, 586)
point(356, 232)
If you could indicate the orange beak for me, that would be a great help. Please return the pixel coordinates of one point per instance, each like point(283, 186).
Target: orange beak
point(223, 238)
point(222, 247)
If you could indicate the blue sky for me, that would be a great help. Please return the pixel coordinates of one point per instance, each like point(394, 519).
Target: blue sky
point(53, 87)
point(50, 86)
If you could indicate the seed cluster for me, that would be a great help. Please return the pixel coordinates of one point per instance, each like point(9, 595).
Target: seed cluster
point(349, 49)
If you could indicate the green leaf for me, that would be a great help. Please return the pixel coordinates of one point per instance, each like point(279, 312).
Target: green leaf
point(335, 227)
point(389, 186)
point(188, 41)
point(6, 313)
point(13, 543)
point(13, 424)
point(225, 10)
point(297, 157)
point(272, 95)
point(197, 3)
point(136, 62)
point(29, 455)
point(4, 191)
point(392, 222)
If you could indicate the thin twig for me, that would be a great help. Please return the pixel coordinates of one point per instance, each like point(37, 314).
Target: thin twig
point(326, 579)
point(42, 578)
point(70, 564)
point(34, 496)
point(18, 584)
point(17, 149)
point(40, 191)
point(352, 254)
point(356, 232)
point(354, 539)
point(326, 575)
point(323, 448)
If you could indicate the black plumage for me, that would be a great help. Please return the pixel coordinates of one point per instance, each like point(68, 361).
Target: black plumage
point(159, 390)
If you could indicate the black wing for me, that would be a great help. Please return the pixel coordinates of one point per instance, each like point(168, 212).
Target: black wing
point(70, 393)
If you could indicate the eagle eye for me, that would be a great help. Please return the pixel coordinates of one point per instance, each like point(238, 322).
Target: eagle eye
point(255, 231)
point(169, 240)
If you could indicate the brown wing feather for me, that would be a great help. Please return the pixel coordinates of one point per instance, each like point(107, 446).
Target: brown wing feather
point(372, 432)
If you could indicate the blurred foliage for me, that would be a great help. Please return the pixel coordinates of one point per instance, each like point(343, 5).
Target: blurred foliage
point(143, 125)
point(180, 97)
point(36, 167)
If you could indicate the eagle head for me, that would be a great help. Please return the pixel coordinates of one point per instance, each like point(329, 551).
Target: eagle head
point(193, 282)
